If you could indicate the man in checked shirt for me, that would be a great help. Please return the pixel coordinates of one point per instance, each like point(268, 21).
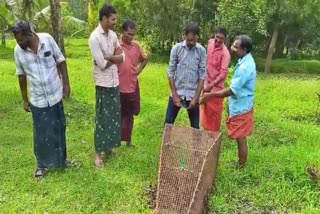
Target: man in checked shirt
point(40, 63)
point(186, 74)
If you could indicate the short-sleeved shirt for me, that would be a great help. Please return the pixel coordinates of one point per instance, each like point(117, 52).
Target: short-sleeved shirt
point(243, 86)
point(128, 70)
point(187, 66)
point(218, 59)
point(103, 44)
point(45, 85)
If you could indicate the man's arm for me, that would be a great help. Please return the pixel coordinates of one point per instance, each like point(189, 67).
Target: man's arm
point(22, 82)
point(171, 74)
point(115, 59)
point(143, 60)
point(24, 92)
point(97, 54)
point(118, 55)
point(199, 89)
point(202, 71)
point(62, 67)
point(221, 94)
point(142, 65)
point(237, 83)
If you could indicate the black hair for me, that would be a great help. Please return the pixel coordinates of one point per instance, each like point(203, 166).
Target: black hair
point(128, 24)
point(106, 10)
point(222, 30)
point(22, 27)
point(192, 28)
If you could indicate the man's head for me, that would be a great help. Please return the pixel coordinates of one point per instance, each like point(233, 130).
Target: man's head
point(220, 36)
point(242, 45)
point(22, 33)
point(191, 35)
point(128, 30)
point(107, 16)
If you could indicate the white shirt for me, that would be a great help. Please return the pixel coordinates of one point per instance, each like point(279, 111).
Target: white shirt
point(45, 85)
point(104, 44)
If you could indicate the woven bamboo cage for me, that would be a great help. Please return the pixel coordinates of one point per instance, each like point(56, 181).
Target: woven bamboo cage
point(187, 170)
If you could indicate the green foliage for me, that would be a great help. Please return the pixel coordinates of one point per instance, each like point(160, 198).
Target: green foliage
point(5, 53)
point(291, 66)
point(297, 20)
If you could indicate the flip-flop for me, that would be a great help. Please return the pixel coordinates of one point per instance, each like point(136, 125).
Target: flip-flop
point(130, 145)
point(40, 173)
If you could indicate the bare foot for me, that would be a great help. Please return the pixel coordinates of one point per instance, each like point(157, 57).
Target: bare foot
point(98, 161)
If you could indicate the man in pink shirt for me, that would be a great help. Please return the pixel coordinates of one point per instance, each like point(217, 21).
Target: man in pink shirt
point(218, 59)
point(129, 70)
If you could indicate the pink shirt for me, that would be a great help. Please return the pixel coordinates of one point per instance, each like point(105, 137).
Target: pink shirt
point(128, 70)
point(218, 59)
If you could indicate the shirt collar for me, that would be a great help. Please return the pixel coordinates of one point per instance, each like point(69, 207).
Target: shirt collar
point(100, 29)
point(217, 48)
point(184, 44)
point(125, 44)
point(41, 43)
point(244, 58)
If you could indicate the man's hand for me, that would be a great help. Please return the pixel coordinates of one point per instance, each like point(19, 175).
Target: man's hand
point(205, 97)
point(26, 106)
point(193, 103)
point(117, 51)
point(66, 91)
point(207, 88)
point(176, 100)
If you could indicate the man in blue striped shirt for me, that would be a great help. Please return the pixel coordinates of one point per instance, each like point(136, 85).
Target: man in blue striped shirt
point(186, 74)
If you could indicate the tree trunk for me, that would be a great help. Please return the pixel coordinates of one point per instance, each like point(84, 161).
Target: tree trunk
point(273, 42)
point(285, 46)
point(3, 39)
point(56, 23)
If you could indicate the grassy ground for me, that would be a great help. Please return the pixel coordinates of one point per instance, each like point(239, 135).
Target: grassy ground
point(275, 181)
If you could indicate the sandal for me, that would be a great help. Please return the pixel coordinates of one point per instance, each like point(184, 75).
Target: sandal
point(130, 145)
point(40, 173)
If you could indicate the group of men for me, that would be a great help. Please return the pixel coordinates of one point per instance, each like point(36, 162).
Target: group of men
point(117, 64)
point(196, 79)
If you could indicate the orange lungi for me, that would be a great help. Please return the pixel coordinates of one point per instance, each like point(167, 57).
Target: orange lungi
point(241, 125)
point(211, 114)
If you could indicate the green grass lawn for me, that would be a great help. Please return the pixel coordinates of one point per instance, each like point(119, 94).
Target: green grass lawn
point(287, 136)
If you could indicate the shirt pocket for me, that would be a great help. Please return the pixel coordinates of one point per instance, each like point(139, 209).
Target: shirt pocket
point(195, 63)
point(47, 60)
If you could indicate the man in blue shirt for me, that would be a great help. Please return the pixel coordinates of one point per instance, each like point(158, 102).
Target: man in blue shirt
point(186, 74)
point(241, 96)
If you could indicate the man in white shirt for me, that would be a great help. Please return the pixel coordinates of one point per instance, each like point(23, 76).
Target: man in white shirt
point(41, 65)
point(106, 53)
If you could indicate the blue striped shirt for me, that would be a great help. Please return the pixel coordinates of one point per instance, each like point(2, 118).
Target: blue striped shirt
point(187, 66)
